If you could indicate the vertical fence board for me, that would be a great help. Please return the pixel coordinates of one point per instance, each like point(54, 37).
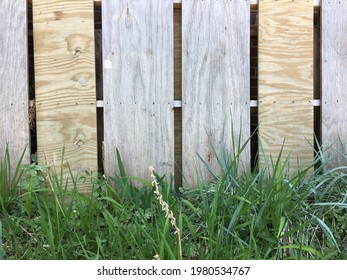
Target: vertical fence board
point(14, 127)
point(138, 85)
point(65, 83)
point(334, 81)
point(286, 79)
point(215, 57)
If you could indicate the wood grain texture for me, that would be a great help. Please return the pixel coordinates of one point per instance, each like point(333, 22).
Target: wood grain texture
point(215, 57)
point(334, 81)
point(14, 126)
point(286, 79)
point(138, 85)
point(65, 84)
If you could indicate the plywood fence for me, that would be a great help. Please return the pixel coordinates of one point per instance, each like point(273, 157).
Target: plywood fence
point(165, 81)
point(286, 79)
point(14, 104)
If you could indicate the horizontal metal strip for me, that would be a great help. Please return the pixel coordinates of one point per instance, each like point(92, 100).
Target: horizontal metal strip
point(178, 103)
point(316, 3)
point(254, 3)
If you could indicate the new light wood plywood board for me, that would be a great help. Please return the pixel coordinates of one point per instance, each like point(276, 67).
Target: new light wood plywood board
point(14, 126)
point(65, 84)
point(138, 86)
point(334, 82)
point(215, 82)
point(286, 80)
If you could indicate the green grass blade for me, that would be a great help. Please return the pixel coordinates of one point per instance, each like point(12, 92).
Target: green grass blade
point(280, 228)
point(311, 250)
point(235, 216)
point(327, 230)
point(337, 204)
point(121, 168)
point(2, 252)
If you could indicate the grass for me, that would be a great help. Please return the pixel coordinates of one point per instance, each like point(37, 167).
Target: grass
point(9, 180)
point(267, 214)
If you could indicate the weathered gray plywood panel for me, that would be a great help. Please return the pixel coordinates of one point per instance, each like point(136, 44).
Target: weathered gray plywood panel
point(286, 80)
point(14, 125)
point(215, 57)
point(334, 81)
point(138, 85)
point(64, 53)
